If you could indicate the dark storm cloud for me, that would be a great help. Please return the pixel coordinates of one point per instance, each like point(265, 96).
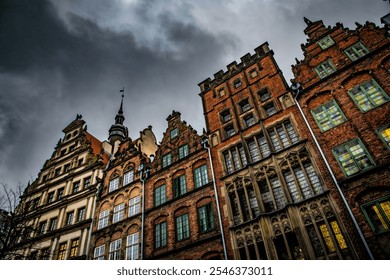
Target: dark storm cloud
point(51, 69)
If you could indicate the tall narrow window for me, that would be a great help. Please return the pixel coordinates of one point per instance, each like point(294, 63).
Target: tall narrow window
point(53, 224)
point(325, 69)
point(98, 253)
point(271, 192)
point(62, 251)
point(328, 115)
point(353, 157)
point(115, 249)
point(69, 218)
point(132, 245)
point(113, 185)
point(119, 212)
point(134, 206)
point(60, 193)
point(283, 135)
point(74, 247)
point(160, 235)
point(356, 51)
point(235, 158)
point(182, 227)
point(179, 186)
point(206, 218)
point(166, 160)
point(87, 182)
point(76, 187)
point(103, 219)
point(201, 177)
point(378, 214)
point(42, 227)
point(159, 195)
point(80, 214)
point(183, 151)
point(50, 197)
point(128, 177)
point(368, 95)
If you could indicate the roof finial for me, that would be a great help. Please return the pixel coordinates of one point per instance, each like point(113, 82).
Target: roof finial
point(307, 21)
point(123, 95)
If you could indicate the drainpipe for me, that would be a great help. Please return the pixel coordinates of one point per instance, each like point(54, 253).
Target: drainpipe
point(141, 169)
point(207, 146)
point(332, 175)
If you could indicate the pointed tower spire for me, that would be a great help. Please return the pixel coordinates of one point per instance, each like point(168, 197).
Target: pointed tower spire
point(118, 131)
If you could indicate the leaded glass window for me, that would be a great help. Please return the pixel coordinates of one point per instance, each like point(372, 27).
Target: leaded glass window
point(378, 214)
point(328, 115)
point(182, 227)
point(325, 69)
point(325, 42)
point(159, 195)
point(368, 95)
point(356, 51)
point(353, 157)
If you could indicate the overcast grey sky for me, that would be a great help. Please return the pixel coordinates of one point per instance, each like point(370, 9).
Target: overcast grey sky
point(62, 58)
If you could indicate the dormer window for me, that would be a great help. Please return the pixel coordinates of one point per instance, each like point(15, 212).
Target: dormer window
point(325, 42)
point(237, 83)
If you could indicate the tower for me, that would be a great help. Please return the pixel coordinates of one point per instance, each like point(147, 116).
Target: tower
point(118, 131)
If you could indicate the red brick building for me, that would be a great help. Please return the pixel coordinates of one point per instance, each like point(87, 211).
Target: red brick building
point(181, 214)
point(343, 86)
point(277, 199)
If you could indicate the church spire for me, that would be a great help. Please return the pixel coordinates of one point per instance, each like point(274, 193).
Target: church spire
point(118, 131)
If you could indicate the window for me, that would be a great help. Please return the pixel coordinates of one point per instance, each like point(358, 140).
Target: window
point(253, 73)
point(66, 167)
point(302, 181)
point(249, 120)
point(384, 133)
point(62, 251)
point(225, 116)
point(50, 197)
point(378, 214)
point(128, 177)
point(74, 247)
point(264, 94)
point(244, 105)
point(103, 219)
point(235, 158)
point(87, 182)
point(160, 235)
point(258, 147)
point(269, 109)
point(60, 193)
point(353, 157)
point(72, 148)
point(221, 92)
point(325, 42)
point(179, 186)
point(113, 185)
point(80, 214)
point(183, 151)
point(134, 206)
point(42, 227)
point(76, 187)
point(206, 218)
point(119, 212)
point(182, 227)
point(98, 253)
point(69, 218)
point(166, 160)
point(368, 95)
point(63, 152)
point(356, 51)
point(325, 69)
point(174, 133)
point(237, 83)
point(132, 245)
point(335, 231)
point(200, 176)
point(53, 224)
point(159, 195)
point(229, 131)
point(115, 249)
point(328, 115)
point(283, 135)
point(243, 200)
point(80, 162)
point(58, 171)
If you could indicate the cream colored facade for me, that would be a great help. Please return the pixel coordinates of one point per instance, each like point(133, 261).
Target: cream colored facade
point(60, 203)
